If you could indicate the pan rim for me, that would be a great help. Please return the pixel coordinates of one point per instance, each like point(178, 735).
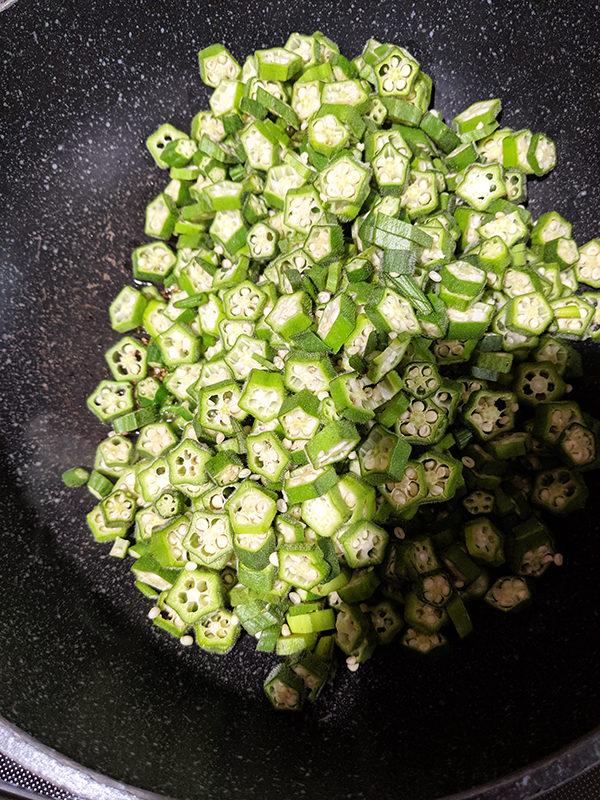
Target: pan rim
point(48, 764)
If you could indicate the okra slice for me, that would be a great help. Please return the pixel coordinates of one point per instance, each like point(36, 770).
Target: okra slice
point(277, 64)
point(115, 452)
point(214, 499)
point(262, 241)
point(194, 594)
point(344, 180)
point(302, 209)
point(511, 593)
point(325, 514)
point(559, 491)
point(307, 371)
point(423, 616)
point(302, 565)
point(421, 379)
point(111, 399)
point(572, 315)
point(153, 479)
point(532, 550)
point(422, 422)
point(434, 587)
point(263, 395)
point(291, 314)
point(178, 345)
point(166, 543)
point(267, 456)
point(217, 632)
point(490, 413)
point(309, 618)
point(299, 415)
point(208, 539)
point(541, 154)
point(228, 230)
point(251, 509)
point(246, 355)
point(383, 456)
point(307, 482)
point(218, 407)
point(477, 115)
point(442, 476)
point(313, 670)
point(352, 626)
point(147, 570)
point(118, 509)
point(363, 544)
point(386, 618)
point(549, 226)
point(187, 463)
point(578, 445)
point(170, 503)
point(327, 135)
point(337, 322)
point(280, 180)
point(284, 688)
point(390, 169)
point(254, 550)
point(216, 64)
point(538, 382)
point(333, 443)
point(245, 301)
point(422, 643)
point(420, 197)
point(588, 264)
point(127, 308)
point(484, 541)
point(127, 360)
point(261, 145)
point(393, 313)
point(224, 467)
point(407, 492)
point(481, 185)
point(158, 141)
point(153, 262)
point(528, 313)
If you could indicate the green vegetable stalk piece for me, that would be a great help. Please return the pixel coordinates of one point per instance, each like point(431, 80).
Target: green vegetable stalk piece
point(341, 397)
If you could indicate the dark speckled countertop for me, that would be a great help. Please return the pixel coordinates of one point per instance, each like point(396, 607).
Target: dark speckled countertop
point(83, 84)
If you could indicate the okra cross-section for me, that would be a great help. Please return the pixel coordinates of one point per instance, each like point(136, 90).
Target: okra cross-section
point(308, 371)
point(218, 407)
point(490, 413)
point(217, 632)
point(333, 443)
point(302, 566)
point(423, 422)
point(363, 544)
point(263, 395)
point(251, 508)
point(194, 594)
point(208, 539)
point(382, 456)
point(110, 399)
point(187, 463)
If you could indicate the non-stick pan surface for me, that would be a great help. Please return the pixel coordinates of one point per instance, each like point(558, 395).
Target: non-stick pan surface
point(82, 669)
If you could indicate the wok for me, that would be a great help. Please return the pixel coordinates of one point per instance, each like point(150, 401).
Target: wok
point(82, 670)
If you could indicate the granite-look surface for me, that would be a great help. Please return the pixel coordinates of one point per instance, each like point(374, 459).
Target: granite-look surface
point(82, 670)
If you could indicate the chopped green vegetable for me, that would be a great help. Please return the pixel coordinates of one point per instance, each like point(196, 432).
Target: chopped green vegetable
point(343, 415)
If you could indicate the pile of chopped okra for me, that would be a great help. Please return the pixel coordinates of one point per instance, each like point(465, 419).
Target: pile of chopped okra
point(341, 407)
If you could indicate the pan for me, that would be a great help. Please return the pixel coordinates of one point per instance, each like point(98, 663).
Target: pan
point(514, 709)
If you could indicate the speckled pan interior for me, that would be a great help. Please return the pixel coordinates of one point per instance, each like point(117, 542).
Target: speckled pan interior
point(82, 669)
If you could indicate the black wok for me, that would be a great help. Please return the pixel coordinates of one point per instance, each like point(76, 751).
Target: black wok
point(82, 670)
